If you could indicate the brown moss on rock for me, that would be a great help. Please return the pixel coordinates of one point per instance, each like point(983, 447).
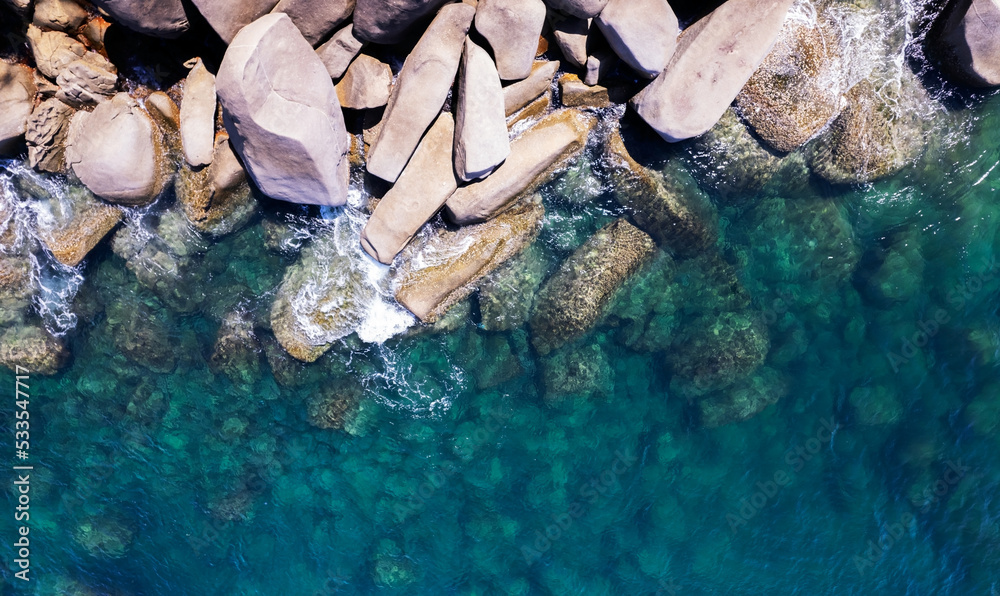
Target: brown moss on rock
point(575, 297)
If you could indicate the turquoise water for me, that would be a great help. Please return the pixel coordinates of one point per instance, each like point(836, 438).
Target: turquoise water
point(462, 462)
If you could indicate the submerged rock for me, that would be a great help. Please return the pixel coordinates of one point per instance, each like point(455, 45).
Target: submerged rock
point(577, 370)
point(103, 537)
point(335, 405)
point(669, 208)
point(33, 348)
point(875, 136)
point(745, 399)
point(507, 295)
point(322, 297)
point(714, 59)
point(217, 200)
point(158, 18)
point(420, 91)
point(17, 97)
point(71, 227)
point(534, 157)
point(481, 140)
point(143, 335)
point(282, 114)
point(968, 43)
point(642, 32)
point(714, 351)
point(797, 89)
point(445, 268)
point(575, 297)
point(118, 152)
point(512, 28)
point(236, 352)
point(423, 187)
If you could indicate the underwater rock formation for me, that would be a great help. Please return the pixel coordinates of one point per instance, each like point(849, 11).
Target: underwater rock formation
point(666, 206)
point(236, 352)
point(574, 298)
point(744, 399)
point(335, 406)
point(32, 347)
point(444, 268)
point(217, 199)
point(507, 295)
point(576, 370)
point(282, 114)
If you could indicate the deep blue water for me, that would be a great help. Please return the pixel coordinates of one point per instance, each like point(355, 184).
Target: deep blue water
point(468, 464)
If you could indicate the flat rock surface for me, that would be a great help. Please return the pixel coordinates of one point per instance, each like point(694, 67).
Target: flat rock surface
point(512, 28)
point(420, 90)
point(533, 157)
point(642, 32)
point(282, 114)
point(714, 59)
point(481, 139)
point(421, 190)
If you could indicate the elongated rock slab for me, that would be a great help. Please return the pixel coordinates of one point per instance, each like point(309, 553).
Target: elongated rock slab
point(198, 116)
point(512, 28)
point(445, 269)
point(421, 190)
point(481, 140)
point(642, 32)
point(575, 297)
point(714, 58)
point(533, 158)
point(516, 96)
point(282, 114)
point(420, 90)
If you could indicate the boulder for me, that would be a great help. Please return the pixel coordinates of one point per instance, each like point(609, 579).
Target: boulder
point(507, 295)
point(60, 15)
point(876, 135)
point(73, 226)
point(158, 18)
point(282, 114)
point(17, 97)
point(32, 348)
point(316, 18)
point(571, 34)
point(46, 135)
point(534, 157)
point(967, 44)
point(576, 295)
point(669, 207)
point(577, 94)
point(512, 28)
point(197, 116)
point(338, 53)
point(87, 81)
point(599, 64)
point(385, 21)
point(420, 91)
point(585, 9)
point(227, 18)
point(516, 96)
point(481, 139)
point(714, 59)
point(53, 50)
point(443, 270)
point(322, 297)
point(216, 200)
point(642, 32)
point(715, 351)
point(798, 88)
point(365, 84)
point(237, 353)
point(421, 190)
point(163, 109)
point(118, 152)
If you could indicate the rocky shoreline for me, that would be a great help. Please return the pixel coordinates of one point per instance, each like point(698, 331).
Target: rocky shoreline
point(447, 118)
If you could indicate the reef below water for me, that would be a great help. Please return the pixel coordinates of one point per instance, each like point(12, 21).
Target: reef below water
point(803, 401)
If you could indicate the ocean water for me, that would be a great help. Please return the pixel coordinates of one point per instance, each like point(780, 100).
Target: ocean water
point(462, 462)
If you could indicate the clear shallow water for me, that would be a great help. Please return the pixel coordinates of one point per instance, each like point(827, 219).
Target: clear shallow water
point(472, 466)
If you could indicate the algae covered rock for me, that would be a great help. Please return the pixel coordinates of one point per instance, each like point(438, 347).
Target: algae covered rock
point(72, 225)
point(142, 334)
point(577, 370)
point(744, 399)
point(797, 89)
point(507, 295)
point(105, 537)
point(323, 296)
point(669, 206)
point(236, 352)
point(335, 405)
point(875, 136)
point(216, 199)
point(445, 267)
point(33, 348)
point(713, 352)
point(575, 297)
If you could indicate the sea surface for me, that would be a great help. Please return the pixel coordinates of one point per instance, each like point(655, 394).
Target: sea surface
point(461, 462)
